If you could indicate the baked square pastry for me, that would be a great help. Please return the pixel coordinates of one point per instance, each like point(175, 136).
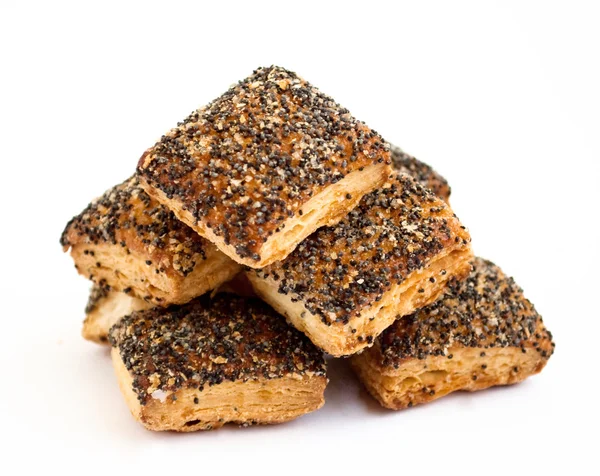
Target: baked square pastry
point(482, 332)
point(423, 173)
point(391, 255)
point(264, 165)
point(214, 361)
point(131, 243)
point(104, 308)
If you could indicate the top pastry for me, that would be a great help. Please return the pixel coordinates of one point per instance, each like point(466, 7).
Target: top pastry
point(264, 165)
point(423, 173)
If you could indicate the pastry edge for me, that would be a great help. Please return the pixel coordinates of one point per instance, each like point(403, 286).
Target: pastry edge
point(324, 209)
point(183, 415)
point(337, 339)
point(123, 271)
point(402, 388)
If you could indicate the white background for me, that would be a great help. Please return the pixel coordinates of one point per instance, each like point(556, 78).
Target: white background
point(502, 98)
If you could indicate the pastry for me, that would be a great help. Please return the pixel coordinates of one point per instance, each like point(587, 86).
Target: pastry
point(104, 309)
point(482, 332)
point(423, 173)
point(214, 361)
point(264, 165)
point(391, 255)
point(131, 243)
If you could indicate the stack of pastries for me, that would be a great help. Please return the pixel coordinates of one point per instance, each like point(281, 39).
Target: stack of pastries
point(270, 228)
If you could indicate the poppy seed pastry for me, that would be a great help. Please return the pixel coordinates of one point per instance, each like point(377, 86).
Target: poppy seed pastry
point(392, 254)
point(482, 332)
point(423, 173)
point(128, 241)
point(265, 165)
point(104, 309)
point(215, 361)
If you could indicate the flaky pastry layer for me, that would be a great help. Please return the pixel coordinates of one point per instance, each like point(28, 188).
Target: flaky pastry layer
point(215, 360)
point(392, 254)
point(482, 332)
point(131, 243)
point(339, 339)
point(261, 401)
point(324, 209)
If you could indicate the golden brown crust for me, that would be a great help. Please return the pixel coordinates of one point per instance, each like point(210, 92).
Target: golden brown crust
point(392, 254)
point(482, 332)
point(325, 208)
point(423, 173)
point(209, 341)
point(260, 401)
point(244, 169)
point(213, 361)
point(128, 241)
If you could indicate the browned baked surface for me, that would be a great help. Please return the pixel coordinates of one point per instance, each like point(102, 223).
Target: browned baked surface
point(129, 242)
point(398, 236)
point(206, 343)
point(423, 173)
point(482, 332)
point(241, 169)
